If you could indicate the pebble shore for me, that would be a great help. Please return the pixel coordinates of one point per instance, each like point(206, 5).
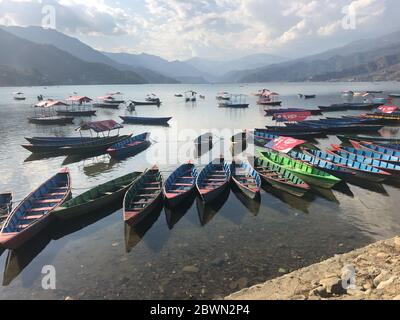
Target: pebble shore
point(369, 273)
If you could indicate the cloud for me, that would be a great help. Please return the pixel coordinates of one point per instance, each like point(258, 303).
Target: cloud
point(213, 28)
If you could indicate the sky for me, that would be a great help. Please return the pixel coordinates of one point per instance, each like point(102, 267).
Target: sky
point(215, 29)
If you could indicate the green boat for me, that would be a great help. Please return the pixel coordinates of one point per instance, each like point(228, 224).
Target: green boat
point(96, 199)
point(305, 172)
point(280, 178)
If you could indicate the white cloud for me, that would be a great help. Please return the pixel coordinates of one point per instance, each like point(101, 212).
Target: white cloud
point(182, 28)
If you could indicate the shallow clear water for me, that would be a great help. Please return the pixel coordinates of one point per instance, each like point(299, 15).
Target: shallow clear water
point(199, 252)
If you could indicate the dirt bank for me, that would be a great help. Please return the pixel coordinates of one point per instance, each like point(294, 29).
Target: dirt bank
point(372, 272)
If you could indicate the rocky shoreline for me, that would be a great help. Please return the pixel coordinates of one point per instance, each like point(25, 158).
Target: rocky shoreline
point(369, 273)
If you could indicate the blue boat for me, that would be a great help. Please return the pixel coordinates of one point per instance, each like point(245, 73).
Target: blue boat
point(180, 184)
point(130, 146)
point(213, 180)
point(361, 170)
point(5, 206)
point(246, 178)
point(34, 212)
point(379, 164)
point(59, 140)
point(371, 154)
point(329, 167)
point(376, 148)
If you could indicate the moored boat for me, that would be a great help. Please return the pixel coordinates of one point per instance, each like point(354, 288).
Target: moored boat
point(280, 178)
point(307, 173)
point(391, 168)
point(271, 112)
point(376, 148)
point(146, 120)
point(180, 184)
point(35, 211)
point(213, 180)
point(96, 198)
point(143, 196)
point(347, 138)
point(51, 120)
point(246, 178)
point(129, 146)
point(361, 170)
point(371, 154)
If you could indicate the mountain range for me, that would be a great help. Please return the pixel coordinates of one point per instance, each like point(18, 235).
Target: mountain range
point(37, 56)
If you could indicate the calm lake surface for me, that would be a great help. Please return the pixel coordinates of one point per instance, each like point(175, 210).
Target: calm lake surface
point(193, 252)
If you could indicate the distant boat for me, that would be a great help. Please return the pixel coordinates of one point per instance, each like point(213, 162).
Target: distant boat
point(307, 96)
point(394, 95)
point(234, 101)
point(223, 96)
point(19, 96)
point(51, 120)
point(153, 98)
point(146, 120)
point(178, 95)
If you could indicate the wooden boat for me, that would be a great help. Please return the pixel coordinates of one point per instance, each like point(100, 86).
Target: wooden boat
point(371, 154)
point(98, 145)
point(213, 180)
point(143, 196)
point(267, 133)
point(347, 138)
point(235, 101)
point(246, 178)
point(129, 146)
point(269, 103)
point(5, 206)
point(178, 95)
point(323, 165)
point(19, 96)
point(97, 198)
point(349, 106)
point(307, 96)
point(280, 178)
point(180, 184)
point(391, 168)
point(361, 170)
point(76, 113)
point(375, 148)
point(51, 120)
point(146, 120)
point(106, 105)
point(35, 211)
point(332, 128)
point(394, 95)
point(307, 173)
point(59, 140)
point(156, 102)
point(271, 112)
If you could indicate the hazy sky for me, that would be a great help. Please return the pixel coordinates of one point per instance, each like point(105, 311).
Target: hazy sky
point(181, 29)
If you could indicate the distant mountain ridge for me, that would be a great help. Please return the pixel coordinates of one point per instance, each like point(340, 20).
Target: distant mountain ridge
point(82, 51)
point(318, 66)
point(27, 63)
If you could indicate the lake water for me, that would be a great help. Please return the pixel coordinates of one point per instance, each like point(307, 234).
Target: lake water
point(197, 253)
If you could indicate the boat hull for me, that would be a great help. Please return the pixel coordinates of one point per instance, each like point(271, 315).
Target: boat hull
point(87, 113)
point(145, 120)
point(51, 120)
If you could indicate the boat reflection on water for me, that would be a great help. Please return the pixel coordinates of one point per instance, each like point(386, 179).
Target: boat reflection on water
point(302, 204)
point(207, 211)
point(253, 205)
point(63, 228)
point(73, 158)
point(325, 193)
point(18, 260)
point(133, 235)
point(371, 186)
point(173, 215)
point(343, 188)
point(42, 156)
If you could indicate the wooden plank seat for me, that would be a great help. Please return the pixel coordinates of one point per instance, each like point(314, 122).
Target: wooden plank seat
point(22, 226)
point(183, 184)
point(31, 217)
point(214, 179)
point(53, 194)
point(151, 188)
point(178, 191)
point(185, 177)
point(147, 195)
point(39, 209)
point(46, 201)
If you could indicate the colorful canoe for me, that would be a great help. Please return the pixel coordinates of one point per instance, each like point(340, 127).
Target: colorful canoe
point(146, 120)
point(144, 195)
point(35, 211)
point(280, 178)
point(347, 138)
point(130, 146)
point(309, 174)
point(323, 165)
point(378, 150)
point(246, 178)
point(180, 184)
point(361, 170)
point(385, 166)
point(97, 198)
point(213, 180)
point(371, 154)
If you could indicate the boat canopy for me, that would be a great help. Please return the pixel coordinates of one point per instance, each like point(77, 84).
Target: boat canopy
point(100, 126)
point(79, 99)
point(50, 103)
